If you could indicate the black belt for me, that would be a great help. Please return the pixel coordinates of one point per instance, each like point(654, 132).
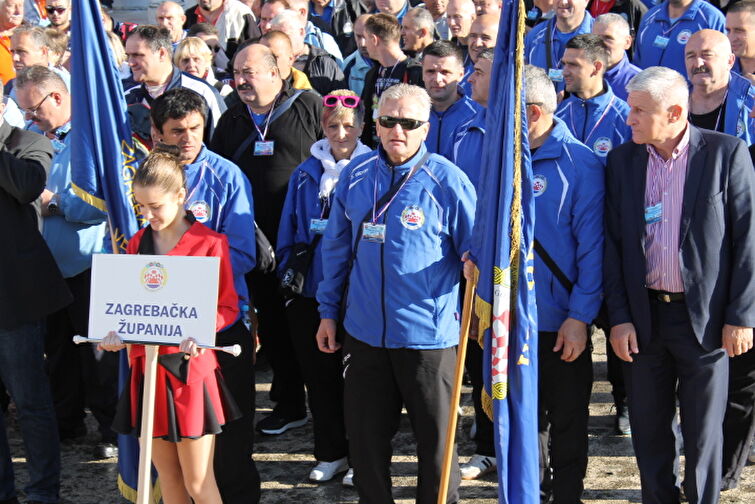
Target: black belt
point(666, 297)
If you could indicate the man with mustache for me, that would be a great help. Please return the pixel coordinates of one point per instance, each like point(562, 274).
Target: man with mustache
point(720, 100)
point(666, 28)
point(268, 134)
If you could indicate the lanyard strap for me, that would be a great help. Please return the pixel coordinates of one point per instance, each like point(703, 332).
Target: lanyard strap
point(377, 214)
point(263, 134)
point(551, 29)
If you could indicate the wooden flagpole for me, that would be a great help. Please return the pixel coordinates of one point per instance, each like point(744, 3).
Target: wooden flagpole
point(144, 488)
point(461, 353)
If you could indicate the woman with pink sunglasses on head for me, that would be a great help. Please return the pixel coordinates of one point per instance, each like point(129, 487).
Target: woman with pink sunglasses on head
point(304, 219)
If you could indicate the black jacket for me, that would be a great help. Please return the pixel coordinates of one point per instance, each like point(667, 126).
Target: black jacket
point(411, 74)
point(345, 13)
point(716, 249)
point(251, 30)
point(293, 132)
point(322, 70)
point(31, 286)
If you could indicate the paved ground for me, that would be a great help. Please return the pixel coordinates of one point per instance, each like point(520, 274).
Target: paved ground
point(284, 462)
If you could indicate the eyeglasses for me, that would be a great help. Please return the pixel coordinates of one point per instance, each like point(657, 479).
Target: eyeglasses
point(347, 101)
point(539, 104)
point(32, 112)
point(406, 124)
point(56, 10)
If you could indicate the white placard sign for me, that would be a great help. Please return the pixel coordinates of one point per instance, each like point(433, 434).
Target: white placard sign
point(154, 299)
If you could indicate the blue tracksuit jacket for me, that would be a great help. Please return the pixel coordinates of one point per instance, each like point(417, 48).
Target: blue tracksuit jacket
point(569, 188)
point(465, 150)
point(661, 43)
point(600, 122)
point(402, 293)
point(443, 124)
point(220, 197)
point(619, 76)
point(302, 205)
point(739, 102)
point(535, 44)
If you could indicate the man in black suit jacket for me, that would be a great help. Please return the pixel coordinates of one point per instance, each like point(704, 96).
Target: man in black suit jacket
point(679, 281)
point(31, 287)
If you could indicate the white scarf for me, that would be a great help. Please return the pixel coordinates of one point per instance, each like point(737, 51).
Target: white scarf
point(331, 169)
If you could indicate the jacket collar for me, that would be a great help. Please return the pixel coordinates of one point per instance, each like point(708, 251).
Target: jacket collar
point(601, 101)
point(689, 14)
point(407, 165)
point(551, 148)
point(5, 131)
point(619, 69)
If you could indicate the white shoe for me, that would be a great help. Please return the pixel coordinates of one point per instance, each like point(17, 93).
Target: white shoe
point(477, 466)
point(348, 479)
point(324, 471)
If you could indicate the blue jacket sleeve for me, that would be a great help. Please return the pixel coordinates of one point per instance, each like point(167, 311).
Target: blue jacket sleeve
point(589, 193)
point(76, 210)
point(287, 228)
point(461, 218)
point(238, 224)
point(337, 244)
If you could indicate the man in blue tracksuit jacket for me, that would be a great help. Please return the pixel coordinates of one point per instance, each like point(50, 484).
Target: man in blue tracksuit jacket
point(593, 114)
point(442, 70)
point(568, 184)
point(220, 197)
point(545, 43)
point(719, 99)
point(402, 305)
point(666, 28)
point(615, 32)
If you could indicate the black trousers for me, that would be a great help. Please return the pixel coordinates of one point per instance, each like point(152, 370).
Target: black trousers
point(739, 421)
point(323, 377)
point(378, 382)
point(563, 409)
point(484, 437)
point(235, 472)
point(615, 374)
point(80, 375)
point(287, 389)
point(674, 365)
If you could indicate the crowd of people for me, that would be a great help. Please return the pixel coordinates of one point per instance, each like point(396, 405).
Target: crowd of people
point(328, 152)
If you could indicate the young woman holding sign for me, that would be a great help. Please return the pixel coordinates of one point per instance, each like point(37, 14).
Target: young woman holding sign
point(191, 402)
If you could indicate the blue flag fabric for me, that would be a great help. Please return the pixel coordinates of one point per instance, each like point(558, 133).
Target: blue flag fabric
point(103, 157)
point(103, 163)
point(502, 250)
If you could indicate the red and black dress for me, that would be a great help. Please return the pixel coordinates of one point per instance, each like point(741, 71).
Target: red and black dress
point(191, 399)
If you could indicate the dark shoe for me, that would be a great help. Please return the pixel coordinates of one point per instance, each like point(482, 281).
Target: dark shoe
point(106, 451)
point(623, 427)
point(277, 424)
point(72, 435)
point(12, 500)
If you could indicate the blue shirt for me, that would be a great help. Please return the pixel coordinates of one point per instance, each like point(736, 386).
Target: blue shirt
point(325, 41)
point(355, 66)
point(536, 45)
point(600, 122)
point(79, 232)
point(327, 12)
point(443, 124)
point(660, 42)
point(620, 75)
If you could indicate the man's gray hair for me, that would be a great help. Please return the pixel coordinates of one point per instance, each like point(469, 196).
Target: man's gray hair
point(416, 93)
point(612, 18)
point(539, 89)
point(422, 18)
point(41, 77)
point(665, 86)
point(35, 33)
point(287, 17)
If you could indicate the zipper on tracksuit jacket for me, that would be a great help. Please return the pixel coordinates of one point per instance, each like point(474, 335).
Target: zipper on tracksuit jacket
point(382, 262)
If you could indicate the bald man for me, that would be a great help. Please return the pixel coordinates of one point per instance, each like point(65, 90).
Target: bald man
point(280, 45)
point(461, 14)
point(720, 100)
point(171, 16)
point(482, 34)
